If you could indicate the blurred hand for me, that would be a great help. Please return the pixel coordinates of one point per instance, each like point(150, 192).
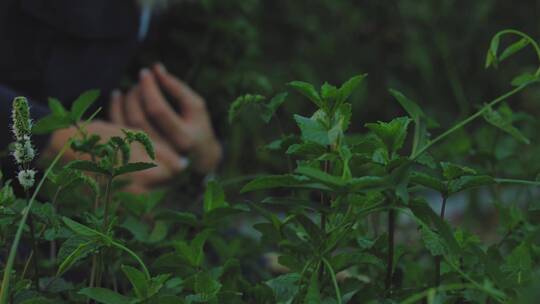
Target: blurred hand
point(167, 160)
point(189, 132)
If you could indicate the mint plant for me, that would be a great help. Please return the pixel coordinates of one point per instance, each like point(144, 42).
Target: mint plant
point(359, 217)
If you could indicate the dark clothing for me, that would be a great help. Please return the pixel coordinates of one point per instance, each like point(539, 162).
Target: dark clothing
point(61, 48)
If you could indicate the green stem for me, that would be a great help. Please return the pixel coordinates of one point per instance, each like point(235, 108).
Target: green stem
point(390, 257)
point(4, 290)
point(467, 120)
point(108, 191)
point(438, 258)
point(34, 249)
point(517, 181)
point(135, 256)
point(334, 280)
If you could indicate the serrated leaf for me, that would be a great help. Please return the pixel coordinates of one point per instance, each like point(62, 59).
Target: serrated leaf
point(428, 181)
point(86, 165)
point(468, 182)
point(348, 87)
point(308, 91)
point(453, 171)
point(519, 263)
point(313, 130)
point(133, 167)
point(240, 102)
point(272, 106)
point(82, 103)
point(105, 296)
point(504, 122)
point(206, 285)
point(273, 181)
point(285, 287)
point(392, 133)
point(433, 242)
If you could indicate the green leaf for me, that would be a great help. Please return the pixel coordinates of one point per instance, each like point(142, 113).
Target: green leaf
point(50, 123)
point(519, 263)
point(137, 280)
point(315, 233)
point(206, 285)
point(240, 102)
point(80, 228)
point(214, 197)
point(469, 182)
point(57, 108)
point(308, 91)
point(272, 106)
point(86, 165)
point(82, 103)
point(321, 176)
point(329, 94)
point(306, 149)
point(524, 79)
point(105, 296)
point(392, 133)
point(491, 57)
point(433, 242)
point(193, 252)
point(285, 287)
point(410, 106)
point(349, 86)
point(80, 252)
point(426, 216)
point(313, 130)
point(343, 116)
point(453, 171)
point(313, 295)
point(513, 48)
point(159, 233)
point(133, 167)
point(428, 181)
point(274, 181)
point(503, 121)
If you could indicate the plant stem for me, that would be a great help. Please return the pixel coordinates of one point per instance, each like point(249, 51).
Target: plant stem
point(467, 120)
point(34, 249)
point(390, 258)
point(4, 290)
point(438, 258)
point(108, 191)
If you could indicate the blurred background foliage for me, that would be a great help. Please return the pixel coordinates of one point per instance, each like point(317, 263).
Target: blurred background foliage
point(432, 51)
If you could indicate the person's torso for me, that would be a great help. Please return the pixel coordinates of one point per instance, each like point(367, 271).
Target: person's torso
point(60, 48)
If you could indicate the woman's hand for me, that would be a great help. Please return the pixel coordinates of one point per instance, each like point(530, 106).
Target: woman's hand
point(167, 160)
point(188, 132)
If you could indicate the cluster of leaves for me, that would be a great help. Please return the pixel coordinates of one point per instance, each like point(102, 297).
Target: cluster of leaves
point(352, 220)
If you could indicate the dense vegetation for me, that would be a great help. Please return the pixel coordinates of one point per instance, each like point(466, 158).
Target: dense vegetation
point(317, 201)
point(325, 225)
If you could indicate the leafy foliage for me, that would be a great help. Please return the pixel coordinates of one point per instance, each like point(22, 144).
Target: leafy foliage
point(354, 219)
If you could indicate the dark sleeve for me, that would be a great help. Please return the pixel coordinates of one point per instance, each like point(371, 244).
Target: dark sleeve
point(37, 111)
